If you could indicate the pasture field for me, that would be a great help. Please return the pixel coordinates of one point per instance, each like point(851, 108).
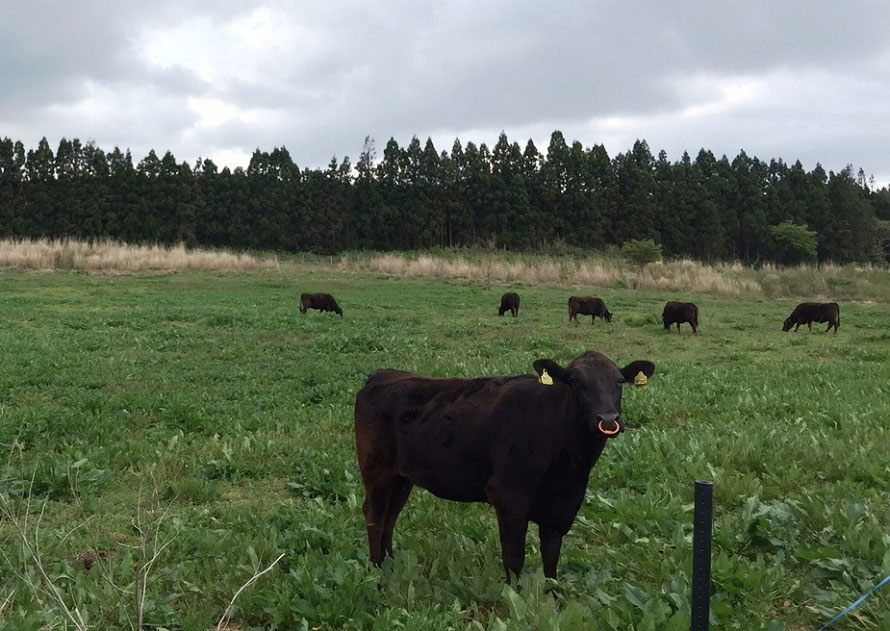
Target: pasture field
point(180, 432)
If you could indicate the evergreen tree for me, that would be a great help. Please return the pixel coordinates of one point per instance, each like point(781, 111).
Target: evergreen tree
point(461, 229)
point(749, 202)
point(38, 209)
point(636, 219)
point(12, 175)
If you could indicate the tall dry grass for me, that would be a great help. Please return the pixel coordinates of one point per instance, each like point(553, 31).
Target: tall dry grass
point(687, 275)
point(827, 282)
point(117, 257)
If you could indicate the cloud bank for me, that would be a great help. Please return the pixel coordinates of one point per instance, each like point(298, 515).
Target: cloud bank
point(219, 79)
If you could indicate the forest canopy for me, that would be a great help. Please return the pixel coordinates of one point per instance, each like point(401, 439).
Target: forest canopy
point(417, 197)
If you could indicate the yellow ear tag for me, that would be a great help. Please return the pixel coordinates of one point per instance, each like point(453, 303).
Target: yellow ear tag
point(641, 381)
point(546, 379)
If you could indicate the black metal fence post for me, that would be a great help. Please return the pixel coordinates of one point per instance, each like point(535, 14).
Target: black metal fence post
point(701, 555)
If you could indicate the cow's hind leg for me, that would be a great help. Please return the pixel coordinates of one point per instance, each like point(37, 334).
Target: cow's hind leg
point(398, 496)
point(551, 543)
point(375, 508)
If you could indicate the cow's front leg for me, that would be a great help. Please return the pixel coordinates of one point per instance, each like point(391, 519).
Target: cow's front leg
point(512, 526)
point(551, 543)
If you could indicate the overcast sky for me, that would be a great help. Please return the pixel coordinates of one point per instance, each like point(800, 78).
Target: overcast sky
point(220, 78)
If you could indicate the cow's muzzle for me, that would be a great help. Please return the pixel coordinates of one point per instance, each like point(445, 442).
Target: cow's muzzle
point(609, 425)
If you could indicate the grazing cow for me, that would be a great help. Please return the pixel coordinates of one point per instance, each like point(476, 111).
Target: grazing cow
point(809, 312)
point(679, 312)
point(523, 444)
point(588, 306)
point(509, 302)
point(322, 302)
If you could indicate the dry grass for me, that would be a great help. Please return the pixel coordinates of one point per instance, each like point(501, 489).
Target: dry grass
point(825, 282)
point(726, 280)
point(117, 257)
point(867, 283)
point(489, 269)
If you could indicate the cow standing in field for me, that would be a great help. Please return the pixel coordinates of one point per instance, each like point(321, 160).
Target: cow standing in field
point(523, 444)
point(588, 306)
point(509, 302)
point(679, 312)
point(322, 302)
point(809, 312)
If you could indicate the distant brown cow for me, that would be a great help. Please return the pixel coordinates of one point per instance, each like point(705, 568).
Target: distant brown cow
point(509, 302)
point(809, 312)
point(322, 302)
point(679, 312)
point(522, 444)
point(588, 306)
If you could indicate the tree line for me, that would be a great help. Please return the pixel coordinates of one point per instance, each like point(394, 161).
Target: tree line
point(418, 197)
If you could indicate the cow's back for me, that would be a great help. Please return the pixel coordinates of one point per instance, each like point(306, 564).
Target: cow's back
point(587, 305)
point(680, 311)
point(439, 433)
point(816, 312)
point(509, 302)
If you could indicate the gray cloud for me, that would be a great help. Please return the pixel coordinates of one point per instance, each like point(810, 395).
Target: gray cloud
point(212, 78)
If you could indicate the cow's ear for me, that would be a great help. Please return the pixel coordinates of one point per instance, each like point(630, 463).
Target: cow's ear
point(634, 368)
point(553, 369)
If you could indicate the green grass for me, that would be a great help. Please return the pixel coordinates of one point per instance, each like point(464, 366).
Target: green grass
point(206, 406)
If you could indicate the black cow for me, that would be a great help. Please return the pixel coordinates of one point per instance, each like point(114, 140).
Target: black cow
point(679, 312)
point(509, 302)
point(588, 306)
point(322, 302)
point(521, 445)
point(809, 312)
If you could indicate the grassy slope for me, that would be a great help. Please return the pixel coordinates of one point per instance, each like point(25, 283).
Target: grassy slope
point(240, 411)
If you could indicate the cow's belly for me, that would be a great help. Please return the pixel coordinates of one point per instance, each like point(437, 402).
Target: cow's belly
point(451, 478)
point(452, 468)
point(452, 490)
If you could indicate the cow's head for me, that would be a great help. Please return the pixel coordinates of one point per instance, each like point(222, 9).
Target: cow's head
point(608, 315)
point(596, 381)
point(788, 324)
